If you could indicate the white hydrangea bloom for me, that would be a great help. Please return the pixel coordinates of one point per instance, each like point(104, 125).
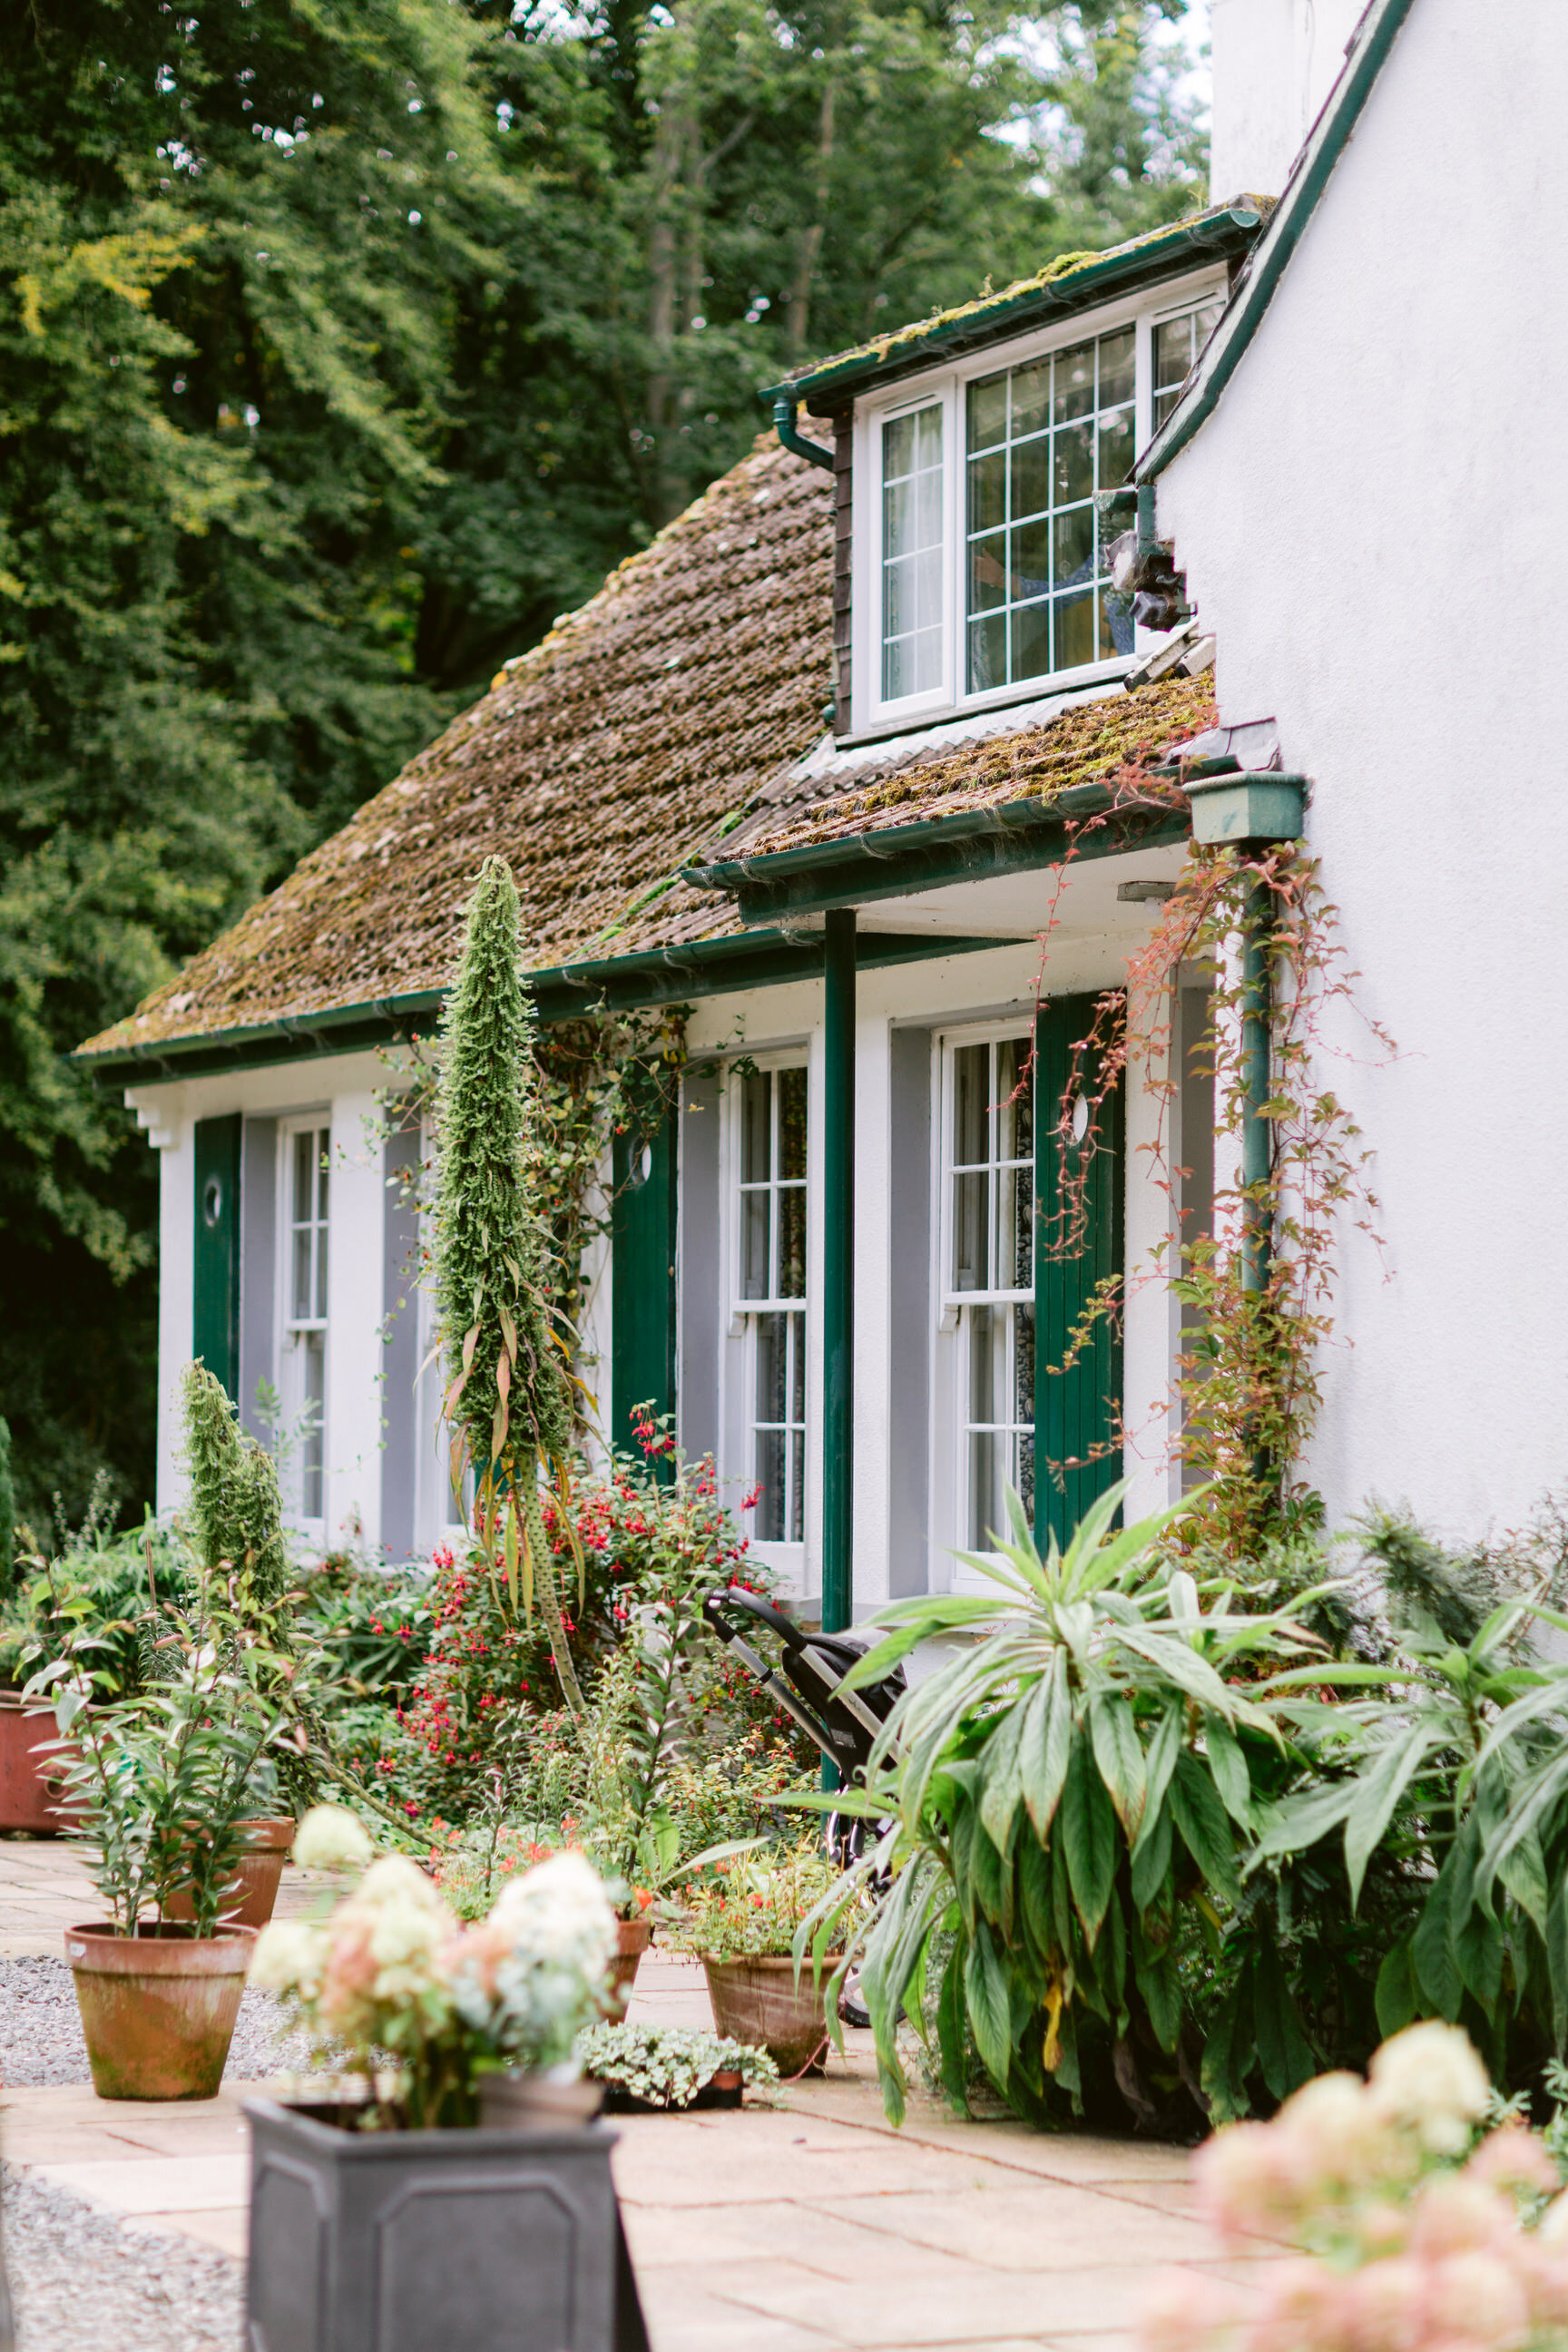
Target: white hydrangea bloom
point(330, 1838)
point(287, 1957)
point(1429, 2081)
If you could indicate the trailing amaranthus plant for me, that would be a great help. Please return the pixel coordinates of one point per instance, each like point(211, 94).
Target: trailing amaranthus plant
point(509, 1401)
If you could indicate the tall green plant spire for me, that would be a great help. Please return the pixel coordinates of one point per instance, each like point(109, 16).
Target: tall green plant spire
point(509, 1399)
point(236, 1510)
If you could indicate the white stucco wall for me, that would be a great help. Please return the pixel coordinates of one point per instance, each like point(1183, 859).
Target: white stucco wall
point(1372, 522)
point(1274, 62)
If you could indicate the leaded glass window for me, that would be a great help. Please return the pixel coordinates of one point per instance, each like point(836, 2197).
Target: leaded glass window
point(1039, 441)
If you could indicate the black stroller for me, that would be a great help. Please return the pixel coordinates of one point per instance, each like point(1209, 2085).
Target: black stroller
point(843, 1723)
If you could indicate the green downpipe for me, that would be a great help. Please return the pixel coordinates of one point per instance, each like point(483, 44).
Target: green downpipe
point(785, 411)
point(838, 1277)
point(1256, 1138)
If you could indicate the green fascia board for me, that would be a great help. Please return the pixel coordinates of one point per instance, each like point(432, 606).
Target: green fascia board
point(1090, 821)
point(762, 959)
point(1221, 235)
point(1287, 224)
point(1246, 808)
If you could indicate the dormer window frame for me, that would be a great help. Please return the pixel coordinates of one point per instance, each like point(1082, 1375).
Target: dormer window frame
point(874, 669)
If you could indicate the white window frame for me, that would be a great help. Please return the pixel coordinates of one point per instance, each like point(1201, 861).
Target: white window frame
point(946, 386)
point(949, 1410)
point(291, 1327)
point(789, 1558)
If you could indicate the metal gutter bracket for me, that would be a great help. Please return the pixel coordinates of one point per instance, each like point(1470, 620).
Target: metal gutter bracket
point(1238, 808)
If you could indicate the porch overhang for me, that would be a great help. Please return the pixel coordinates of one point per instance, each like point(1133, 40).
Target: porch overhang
point(1090, 821)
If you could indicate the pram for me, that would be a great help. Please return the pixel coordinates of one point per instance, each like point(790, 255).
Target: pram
point(843, 1723)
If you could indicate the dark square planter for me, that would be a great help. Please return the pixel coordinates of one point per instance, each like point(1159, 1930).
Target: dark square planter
point(428, 2241)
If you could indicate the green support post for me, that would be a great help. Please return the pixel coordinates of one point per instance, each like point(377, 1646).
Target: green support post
point(1257, 1010)
point(838, 1277)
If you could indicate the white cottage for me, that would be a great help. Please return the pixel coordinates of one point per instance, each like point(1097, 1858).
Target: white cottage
point(869, 762)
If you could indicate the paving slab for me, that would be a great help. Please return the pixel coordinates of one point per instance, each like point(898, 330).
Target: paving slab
point(808, 2225)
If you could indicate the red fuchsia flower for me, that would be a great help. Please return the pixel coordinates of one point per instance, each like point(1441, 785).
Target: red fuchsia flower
point(642, 1896)
point(442, 1557)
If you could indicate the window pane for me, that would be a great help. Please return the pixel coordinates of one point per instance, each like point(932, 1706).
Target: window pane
point(1116, 363)
point(988, 653)
point(988, 573)
point(1024, 1365)
point(756, 1126)
point(1074, 447)
point(755, 1265)
point(1026, 1479)
point(321, 1270)
point(1032, 477)
point(302, 1288)
point(792, 1242)
point(797, 1487)
point(770, 1460)
point(791, 1122)
point(315, 1395)
point(971, 1106)
point(912, 665)
point(1031, 560)
point(1116, 448)
point(323, 1167)
point(1075, 382)
point(772, 1367)
point(1118, 632)
point(1031, 398)
point(1075, 546)
point(797, 1369)
point(1015, 1093)
point(987, 412)
point(1032, 642)
point(1075, 631)
point(304, 1187)
point(988, 491)
point(971, 1232)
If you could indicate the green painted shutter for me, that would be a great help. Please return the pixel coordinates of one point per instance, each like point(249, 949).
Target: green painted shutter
point(642, 1274)
point(215, 1335)
point(1077, 1410)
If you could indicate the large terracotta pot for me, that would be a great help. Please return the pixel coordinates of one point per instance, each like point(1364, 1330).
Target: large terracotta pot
point(633, 1937)
point(759, 2001)
point(30, 1784)
point(158, 2008)
point(259, 1873)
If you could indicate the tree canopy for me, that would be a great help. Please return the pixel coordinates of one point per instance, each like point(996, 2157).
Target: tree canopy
point(344, 343)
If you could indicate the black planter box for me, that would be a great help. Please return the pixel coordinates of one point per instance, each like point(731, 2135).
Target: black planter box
point(433, 2240)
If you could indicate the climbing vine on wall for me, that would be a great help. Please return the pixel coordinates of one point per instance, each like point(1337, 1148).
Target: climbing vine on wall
point(1250, 1369)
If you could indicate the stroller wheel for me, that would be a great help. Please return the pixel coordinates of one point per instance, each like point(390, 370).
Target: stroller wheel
point(852, 2009)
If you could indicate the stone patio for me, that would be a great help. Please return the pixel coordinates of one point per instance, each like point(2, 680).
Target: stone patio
point(795, 2228)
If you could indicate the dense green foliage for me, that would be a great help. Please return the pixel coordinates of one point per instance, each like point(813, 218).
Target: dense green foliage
point(344, 346)
point(7, 1514)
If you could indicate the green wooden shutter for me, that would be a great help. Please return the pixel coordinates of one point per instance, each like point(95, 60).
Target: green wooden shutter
point(642, 1275)
point(214, 1335)
point(1077, 1410)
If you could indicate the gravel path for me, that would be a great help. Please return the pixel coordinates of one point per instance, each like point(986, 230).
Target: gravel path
point(40, 2029)
point(80, 2277)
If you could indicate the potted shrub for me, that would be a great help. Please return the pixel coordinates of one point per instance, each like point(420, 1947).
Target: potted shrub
point(656, 2068)
point(742, 1923)
point(421, 2193)
point(159, 1786)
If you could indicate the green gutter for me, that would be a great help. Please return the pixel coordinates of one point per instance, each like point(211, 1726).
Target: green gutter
point(762, 959)
point(893, 862)
point(1286, 228)
point(1219, 235)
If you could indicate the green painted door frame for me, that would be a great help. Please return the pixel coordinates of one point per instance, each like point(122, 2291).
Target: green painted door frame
point(642, 1271)
point(215, 1332)
point(1077, 1404)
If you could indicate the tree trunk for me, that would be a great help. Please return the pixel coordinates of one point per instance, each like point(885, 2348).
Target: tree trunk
point(808, 243)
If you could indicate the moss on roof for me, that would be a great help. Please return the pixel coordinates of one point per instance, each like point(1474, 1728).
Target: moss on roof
point(1093, 742)
point(972, 320)
point(597, 764)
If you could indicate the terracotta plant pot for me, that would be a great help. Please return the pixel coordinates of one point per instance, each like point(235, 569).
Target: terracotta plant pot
point(759, 2001)
point(633, 1937)
point(260, 1873)
point(158, 2008)
point(30, 1784)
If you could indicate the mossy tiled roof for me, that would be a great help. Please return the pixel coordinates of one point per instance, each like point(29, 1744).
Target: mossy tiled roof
point(597, 765)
